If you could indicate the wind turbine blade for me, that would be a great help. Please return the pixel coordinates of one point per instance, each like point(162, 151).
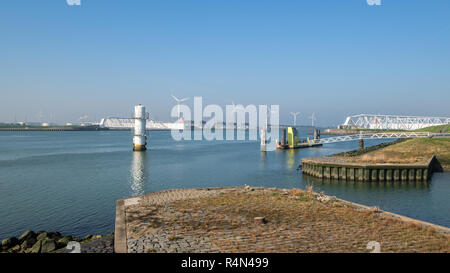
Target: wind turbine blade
point(175, 98)
point(185, 99)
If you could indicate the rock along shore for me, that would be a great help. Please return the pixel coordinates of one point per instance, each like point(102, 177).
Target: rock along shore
point(54, 242)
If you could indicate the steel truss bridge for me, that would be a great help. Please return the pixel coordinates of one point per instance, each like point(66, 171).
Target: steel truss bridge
point(390, 122)
point(379, 136)
point(128, 123)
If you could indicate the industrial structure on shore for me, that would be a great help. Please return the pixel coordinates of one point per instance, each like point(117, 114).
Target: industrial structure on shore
point(391, 122)
point(114, 123)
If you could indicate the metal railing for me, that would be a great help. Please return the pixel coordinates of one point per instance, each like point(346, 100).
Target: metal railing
point(379, 136)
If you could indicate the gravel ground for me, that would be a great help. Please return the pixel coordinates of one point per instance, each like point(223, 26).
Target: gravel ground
point(163, 242)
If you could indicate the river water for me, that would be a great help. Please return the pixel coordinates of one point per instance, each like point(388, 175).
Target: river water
point(69, 181)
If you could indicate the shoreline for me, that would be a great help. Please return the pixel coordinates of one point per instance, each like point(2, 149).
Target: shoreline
point(54, 242)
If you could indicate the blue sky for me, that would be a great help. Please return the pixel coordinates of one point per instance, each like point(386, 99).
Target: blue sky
point(335, 58)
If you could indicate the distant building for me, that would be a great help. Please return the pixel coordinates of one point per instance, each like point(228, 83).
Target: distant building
point(33, 124)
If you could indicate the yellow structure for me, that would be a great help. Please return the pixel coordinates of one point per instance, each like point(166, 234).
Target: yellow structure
point(293, 138)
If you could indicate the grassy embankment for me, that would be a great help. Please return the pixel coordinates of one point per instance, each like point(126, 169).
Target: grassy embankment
point(436, 129)
point(418, 150)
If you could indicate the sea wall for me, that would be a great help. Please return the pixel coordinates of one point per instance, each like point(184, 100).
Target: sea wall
point(332, 168)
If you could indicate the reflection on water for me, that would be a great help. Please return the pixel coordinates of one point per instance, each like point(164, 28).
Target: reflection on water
point(292, 161)
point(263, 160)
point(138, 173)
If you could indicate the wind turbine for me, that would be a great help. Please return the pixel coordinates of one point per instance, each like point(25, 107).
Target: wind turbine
point(295, 114)
point(179, 101)
point(313, 118)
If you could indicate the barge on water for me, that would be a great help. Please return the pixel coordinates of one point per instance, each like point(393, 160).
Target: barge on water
point(294, 142)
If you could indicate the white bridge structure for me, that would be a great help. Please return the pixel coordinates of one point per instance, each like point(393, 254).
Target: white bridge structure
point(128, 123)
point(379, 136)
point(390, 122)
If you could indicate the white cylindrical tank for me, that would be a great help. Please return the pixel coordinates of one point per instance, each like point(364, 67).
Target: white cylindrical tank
point(140, 136)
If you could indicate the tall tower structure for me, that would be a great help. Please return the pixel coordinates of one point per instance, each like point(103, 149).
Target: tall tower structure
point(140, 134)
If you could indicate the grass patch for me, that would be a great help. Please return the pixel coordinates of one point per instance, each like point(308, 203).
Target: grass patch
point(369, 149)
point(436, 129)
point(418, 150)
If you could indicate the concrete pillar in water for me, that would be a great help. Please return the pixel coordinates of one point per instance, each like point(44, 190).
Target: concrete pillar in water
point(412, 175)
point(389, 175)
point(320, 170)
point(351, 174)
point(396, 175)
point(374, 176)
point(419, 173)
point(283, 136)
point(382, 175)
point(343, 173)
point(327, 173)
point(335, 173)
point(404, 175)
point(263, 140)
point(140, 135)
point(360, 174)
point(367, 174)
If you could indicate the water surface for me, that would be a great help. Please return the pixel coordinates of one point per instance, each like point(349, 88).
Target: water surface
point(70, 181)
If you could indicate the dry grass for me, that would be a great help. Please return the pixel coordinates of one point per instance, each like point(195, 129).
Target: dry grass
point(412, 151)
point(296, 192)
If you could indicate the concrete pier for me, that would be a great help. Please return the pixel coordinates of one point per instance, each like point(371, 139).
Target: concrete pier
point(333, 168)
point(180, 221)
